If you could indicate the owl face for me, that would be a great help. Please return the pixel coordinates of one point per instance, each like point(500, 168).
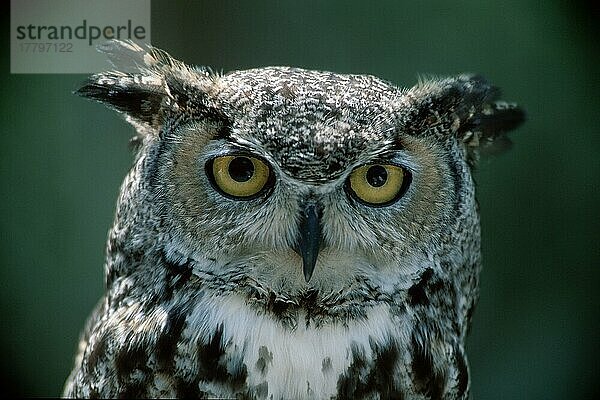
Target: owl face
point(303, 185)
point(295, 179)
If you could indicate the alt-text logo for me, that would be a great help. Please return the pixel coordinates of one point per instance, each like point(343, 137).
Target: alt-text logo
point(60, 36)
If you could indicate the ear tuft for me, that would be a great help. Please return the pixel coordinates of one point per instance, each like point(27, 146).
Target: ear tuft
point(138, 99)
point(486, 130)
point(467, 106)
point(139, 86)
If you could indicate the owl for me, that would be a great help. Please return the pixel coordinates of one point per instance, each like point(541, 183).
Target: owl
point(289, 234)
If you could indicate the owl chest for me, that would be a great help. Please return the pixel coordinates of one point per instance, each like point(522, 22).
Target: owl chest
point(255, 354)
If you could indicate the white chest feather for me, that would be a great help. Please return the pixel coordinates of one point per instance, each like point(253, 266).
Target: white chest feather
point(301, 363)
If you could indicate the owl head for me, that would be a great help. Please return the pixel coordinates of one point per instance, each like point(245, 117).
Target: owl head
point(290, 180)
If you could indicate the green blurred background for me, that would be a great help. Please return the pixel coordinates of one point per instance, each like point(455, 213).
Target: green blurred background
point(535, 332)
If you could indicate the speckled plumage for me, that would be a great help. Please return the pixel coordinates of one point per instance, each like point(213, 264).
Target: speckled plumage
point(206, 295)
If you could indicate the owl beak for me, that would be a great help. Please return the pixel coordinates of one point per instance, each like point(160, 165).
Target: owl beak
point(310, 237)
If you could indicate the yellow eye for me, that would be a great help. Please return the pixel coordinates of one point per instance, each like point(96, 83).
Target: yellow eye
point(239, 176)
point(378, 184)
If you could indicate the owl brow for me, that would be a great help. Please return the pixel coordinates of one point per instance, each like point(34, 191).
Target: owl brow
point(389, 151)
point(224, 131)
point(233, 146)
point(397, 145)
point(392, 144)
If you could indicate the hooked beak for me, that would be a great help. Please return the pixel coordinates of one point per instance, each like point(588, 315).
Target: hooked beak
point(310, 237)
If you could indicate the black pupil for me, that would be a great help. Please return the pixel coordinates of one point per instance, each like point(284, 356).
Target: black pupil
point(376, 176)
point(241, 169)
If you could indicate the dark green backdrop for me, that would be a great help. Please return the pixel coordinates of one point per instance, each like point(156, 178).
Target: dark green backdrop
point(535, 332)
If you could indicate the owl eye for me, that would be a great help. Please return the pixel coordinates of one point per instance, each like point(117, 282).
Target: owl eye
point(240, 177)
point(378, 184)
